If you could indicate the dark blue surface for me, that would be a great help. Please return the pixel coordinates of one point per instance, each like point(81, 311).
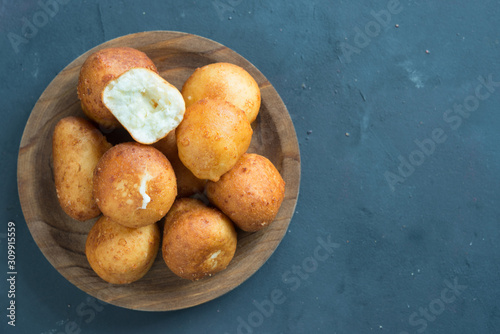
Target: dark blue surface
point(413, 231)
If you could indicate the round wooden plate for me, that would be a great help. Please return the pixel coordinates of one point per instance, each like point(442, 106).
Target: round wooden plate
point(62, 239)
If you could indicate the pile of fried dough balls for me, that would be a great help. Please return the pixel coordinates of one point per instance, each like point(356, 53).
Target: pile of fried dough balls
point(185, 144)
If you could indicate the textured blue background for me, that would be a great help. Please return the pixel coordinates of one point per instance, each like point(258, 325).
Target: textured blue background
point(359, 105)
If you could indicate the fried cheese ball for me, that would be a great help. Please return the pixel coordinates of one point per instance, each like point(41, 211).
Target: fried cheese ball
point(187, 183)
point(119, 254)
point(145, 104)
point(250, 194)
point(198, 241)
point(224, 81)
point(212, 137)
point(134, 184)
point(77, 146)
point(98, 70)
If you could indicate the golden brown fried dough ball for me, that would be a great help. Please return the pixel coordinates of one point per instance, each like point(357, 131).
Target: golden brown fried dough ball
point(98, 70)
point(77, 146)
point(134, 184)
point(227, 82)
point(198, 241)
point(212, 137)
point(187, 183)
point(120, 254)
point(250, 194)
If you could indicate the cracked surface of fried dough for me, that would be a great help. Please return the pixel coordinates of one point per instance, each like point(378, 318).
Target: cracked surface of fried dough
point(134, 184)
point(198, 241)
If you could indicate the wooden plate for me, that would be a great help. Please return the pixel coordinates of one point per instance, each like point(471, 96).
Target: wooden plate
point(62, 239)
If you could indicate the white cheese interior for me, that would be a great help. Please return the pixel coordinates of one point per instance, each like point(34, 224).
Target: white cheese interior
point(214, 255)
point(145, 104)
point(143, 188)
point(213, 258)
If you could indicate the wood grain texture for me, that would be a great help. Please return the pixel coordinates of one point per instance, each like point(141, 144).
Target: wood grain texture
point(62, 239)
